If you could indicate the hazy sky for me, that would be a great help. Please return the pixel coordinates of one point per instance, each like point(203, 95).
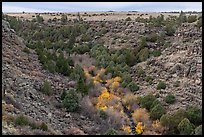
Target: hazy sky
point(99, 6)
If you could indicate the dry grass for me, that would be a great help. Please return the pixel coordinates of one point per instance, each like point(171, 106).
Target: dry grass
point(95, 92)
point(140, 115)
point(88, 109)
point(83, 60)
point(115, 118)
point(129, 99)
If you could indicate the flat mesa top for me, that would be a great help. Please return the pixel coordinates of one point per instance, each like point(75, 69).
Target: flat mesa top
point(94, 16)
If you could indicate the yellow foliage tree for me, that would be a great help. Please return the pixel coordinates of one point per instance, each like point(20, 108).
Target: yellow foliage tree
point(115, 85)
point(117, 79)
point(87, 74)
point(103, 99)
point(95, 82)
point(108, 82)
point(97, 78)
point(111, 100)
point(126, 129)
point(139, 128)
point(101, 71)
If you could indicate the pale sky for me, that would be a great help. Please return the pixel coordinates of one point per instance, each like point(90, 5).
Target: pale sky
point(100, 6)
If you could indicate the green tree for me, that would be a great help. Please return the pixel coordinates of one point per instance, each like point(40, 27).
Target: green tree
point(126, 78)
point(51, 66)
point(111, 131)
point(21, 120)
point(161, 39)
point(44, 126)
point(177, 117)
point(155, 102)
point(78, 73)
point(143, 54)
point(130, 58)
point(120, 58)
point(192, 18)
point(146, 101)
point(72, 40)
point(140, 72)
point(70, 61)
point(133, 86)
point(194, 114)
point(26, 50)
point(199, 22)
point(47, 44)
point(85, 38)
point(39, 19)
point(71, 101)
point(128, 19)
point(38, 35)
point(64, 18)
point(49, 21)
point(166, 120)
point(170, 122)
point(185, 127)
point(152, 37)
point(103, 114)
point(170, 29)
point(79, 17)
point(102, 32)
point(62, 65)
point(161, 85)
point(82, 87)
point(81, 49)
point(142, 43)
point(15, 23)
point(3, 15)
point(63, 95)
point(46, 88)
point(149, 79)
point(156, 53)
point(157, 111)
point(170, 99)
point(54, 19)
point(182, 18)
point(198, 130)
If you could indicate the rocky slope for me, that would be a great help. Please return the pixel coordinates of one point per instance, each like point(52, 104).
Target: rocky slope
point(180, 62)
point(22, 77)
point(122, 34)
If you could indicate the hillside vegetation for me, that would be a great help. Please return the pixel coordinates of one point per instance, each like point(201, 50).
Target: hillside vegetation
point(137, 76)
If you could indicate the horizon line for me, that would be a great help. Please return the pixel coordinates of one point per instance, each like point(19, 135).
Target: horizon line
point(98, 11)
